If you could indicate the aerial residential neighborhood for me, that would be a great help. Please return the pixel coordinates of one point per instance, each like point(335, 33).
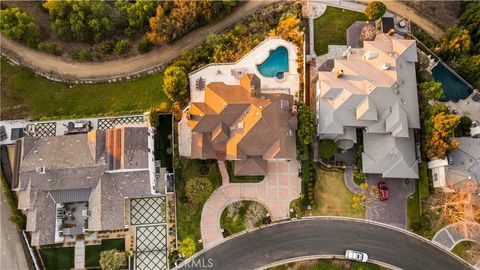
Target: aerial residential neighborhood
point(240, 135)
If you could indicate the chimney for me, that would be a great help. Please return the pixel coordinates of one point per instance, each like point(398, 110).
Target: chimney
point(391, 32)
point(252, 84)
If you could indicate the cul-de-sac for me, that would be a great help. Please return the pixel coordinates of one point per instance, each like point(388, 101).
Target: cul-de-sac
point(240, 135)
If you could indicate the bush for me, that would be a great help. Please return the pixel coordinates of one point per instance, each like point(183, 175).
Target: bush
point(358, 177)
point(175, 83)
point(82, 55)
point(198, 189)
point(121, 47)
point(144, 46)
point(48, 47)
point(105, 47)
point(375, 10)
point(423, 185)
point(19, 25)
point(327, 149)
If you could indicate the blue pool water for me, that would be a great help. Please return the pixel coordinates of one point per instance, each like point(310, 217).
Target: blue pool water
point(453, 88)
point(276, 64)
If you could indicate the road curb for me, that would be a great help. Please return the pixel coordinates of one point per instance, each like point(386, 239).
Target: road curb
point(441, 248)
point(323, 257)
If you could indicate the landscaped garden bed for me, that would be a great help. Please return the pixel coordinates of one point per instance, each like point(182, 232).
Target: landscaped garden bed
point(92, 253)
point(242, 215)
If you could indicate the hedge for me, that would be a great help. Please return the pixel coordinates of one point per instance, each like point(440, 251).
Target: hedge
point(17, 216)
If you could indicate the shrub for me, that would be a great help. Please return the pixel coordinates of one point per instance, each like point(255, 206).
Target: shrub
point(82, 55)
point(187, 247)
point(375, 10)
point(175, 83)
point(105, 47)
point(144, 46)
point(358, 177)
point(306, 129)
point(49, 48)
point(327, 149)
point(112, 259)
point(121, 47)
point(198, 189)
point(19, 25)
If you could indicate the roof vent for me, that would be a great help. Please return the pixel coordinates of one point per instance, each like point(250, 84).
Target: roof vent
point(385, 66)
point(41, 170)
point(240, 125)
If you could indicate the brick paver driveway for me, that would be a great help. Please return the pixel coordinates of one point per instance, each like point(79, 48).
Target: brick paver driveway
point(394, 210)
point(275, 192)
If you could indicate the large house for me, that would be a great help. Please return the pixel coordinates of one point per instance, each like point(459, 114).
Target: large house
point(68, 185)
point(240, 123)
point(373, 89)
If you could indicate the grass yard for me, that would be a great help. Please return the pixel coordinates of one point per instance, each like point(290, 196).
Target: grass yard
point(237, 222)
point(463, 249)
point(57, 258)
point(330, 28)
point(327, 265)
point(332, 196)
point(92, 253)
point(188, 223)
point(26, 95)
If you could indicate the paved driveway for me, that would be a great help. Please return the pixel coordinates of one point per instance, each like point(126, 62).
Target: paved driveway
point(275, 192)
point(394, 210)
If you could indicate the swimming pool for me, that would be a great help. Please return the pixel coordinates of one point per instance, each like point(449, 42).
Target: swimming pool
point(453, 88)
point(276, 64)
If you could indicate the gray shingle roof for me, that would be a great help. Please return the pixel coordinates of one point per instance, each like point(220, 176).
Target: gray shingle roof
point(75, 170)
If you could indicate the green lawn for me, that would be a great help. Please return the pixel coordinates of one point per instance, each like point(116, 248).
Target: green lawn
point(188, 223)
point(57, 258)
point(332, 196)
point(330, 28)
point(462, 250)
point(92, 253)
point(327, 265)
point(236, 223)
point(24, 94)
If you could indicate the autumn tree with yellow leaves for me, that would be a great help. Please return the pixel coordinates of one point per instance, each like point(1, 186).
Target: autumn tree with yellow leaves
point(441, 139)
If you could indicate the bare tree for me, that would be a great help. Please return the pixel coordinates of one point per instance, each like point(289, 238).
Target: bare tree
point(368, 33)
point(461, 208)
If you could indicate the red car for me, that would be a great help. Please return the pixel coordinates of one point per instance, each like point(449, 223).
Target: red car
point(382, 191)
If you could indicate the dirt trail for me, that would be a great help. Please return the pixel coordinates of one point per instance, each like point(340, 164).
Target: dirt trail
point(58, 67)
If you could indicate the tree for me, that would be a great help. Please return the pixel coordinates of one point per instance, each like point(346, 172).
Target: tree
point(429, 93)
point(187, 247)
point(469, 68)
point(441, 140)
point(470, 19)
point(289, 28)
point(198, 189)
point(121, 47)
point(306, 129)
point(461, 206)
point(80, 20)
point(112, 259)
point(327, 149)
point(455, 42)
point(19, 25)
point(367, 196)
point(175, 83)
point(138, 15)
point(368, 33)
point(375, 10)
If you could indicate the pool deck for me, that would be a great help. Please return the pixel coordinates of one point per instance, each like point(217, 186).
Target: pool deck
point(466, 107)
point(222, 72)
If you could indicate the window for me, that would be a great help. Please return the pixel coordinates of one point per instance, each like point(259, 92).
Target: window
point(284, 104)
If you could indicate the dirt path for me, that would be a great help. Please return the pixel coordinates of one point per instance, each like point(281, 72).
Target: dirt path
point(409, 13)
point(57, 67)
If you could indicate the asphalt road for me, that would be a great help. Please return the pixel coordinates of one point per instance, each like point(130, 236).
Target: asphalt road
point(12, 256)
point(324, 237)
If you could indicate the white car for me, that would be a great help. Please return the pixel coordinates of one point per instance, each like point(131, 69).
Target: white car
point(356, 255)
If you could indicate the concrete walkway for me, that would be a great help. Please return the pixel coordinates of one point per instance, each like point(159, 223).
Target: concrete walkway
point(80, 254)
point(275, 192)
point(451, 235)
point(348, 179)
point(103, 71)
